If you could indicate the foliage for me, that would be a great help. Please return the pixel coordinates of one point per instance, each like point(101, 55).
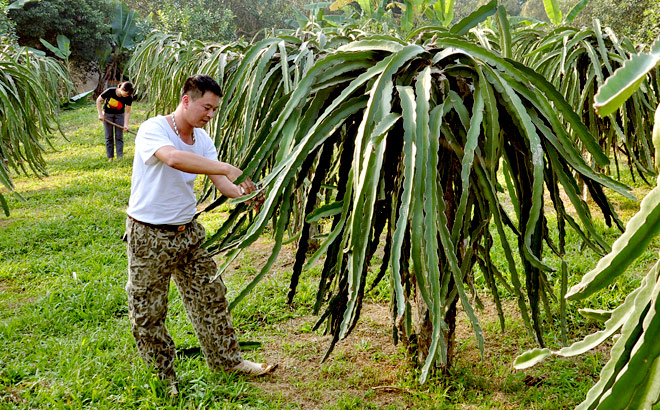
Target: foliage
point(197, 19)
point(326, 112)
point(629, 18)
point(252, 16)
point(83, 21)
point(126, 31)
point(7, 30)
point(464, 7)
point(631, 378)
point(234, 18)
point(649, 28)
point(32, 86)
point(577, 63)
point(63, 48)
point(401, 18)
point(535, 9)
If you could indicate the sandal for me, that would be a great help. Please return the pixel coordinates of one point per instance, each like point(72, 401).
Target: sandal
point(249, 368)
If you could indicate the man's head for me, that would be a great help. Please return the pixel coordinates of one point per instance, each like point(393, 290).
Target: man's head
point(199, 100)
point(198, 85)
point(126, 88)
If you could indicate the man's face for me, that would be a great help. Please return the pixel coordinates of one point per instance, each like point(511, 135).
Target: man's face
point(201, 110)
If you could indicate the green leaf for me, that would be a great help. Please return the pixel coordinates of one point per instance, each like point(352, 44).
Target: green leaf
point(18, 4)
point(472, 140)
point(443, 9)
point(338, 229)
point(365, 5)
point(552, 10)
point(640, 230)
point(55, 50)
point(641, 367)
point(401, 224)
point(478, 16)
point(325, 211)
point(656, 135)
point(625, 81)
point(363, 205)
point(575, 11)
point(282, 224)
point(599, 315)
point(505, 31)
point(530, 358)
point(64, 44)
point(5, 206)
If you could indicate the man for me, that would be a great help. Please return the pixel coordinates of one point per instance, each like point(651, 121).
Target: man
point(164, 240)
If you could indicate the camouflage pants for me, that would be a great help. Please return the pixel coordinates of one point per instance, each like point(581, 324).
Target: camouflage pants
point(155, 255)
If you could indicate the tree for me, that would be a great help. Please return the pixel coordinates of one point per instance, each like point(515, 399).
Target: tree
point(33, 86)
point(631, 377)
point(83, 21)
point(463, 8)
point(7, 30)
point(409, 143)
point(207, 20)
point(125, 33)
point(248, 17)
point(534, 9)
point(626, 17)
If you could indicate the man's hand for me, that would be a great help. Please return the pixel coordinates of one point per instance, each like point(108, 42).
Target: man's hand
point(101, 116)
point(257, 201)
point(233, 173)
point(228, 188)
point(247, 187)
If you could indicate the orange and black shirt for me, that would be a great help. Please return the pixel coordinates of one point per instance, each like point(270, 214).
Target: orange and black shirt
point(113, 103)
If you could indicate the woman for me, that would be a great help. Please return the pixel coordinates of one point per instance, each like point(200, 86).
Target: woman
point(114, 106)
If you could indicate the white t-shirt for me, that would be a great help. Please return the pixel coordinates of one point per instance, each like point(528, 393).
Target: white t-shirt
point(161, 194)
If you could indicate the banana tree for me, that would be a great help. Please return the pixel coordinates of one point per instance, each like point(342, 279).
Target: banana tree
point(369, 8)
point(410, 13)
point(125, 35)
point(631, 377)
point(553, 11)
point(31, 87)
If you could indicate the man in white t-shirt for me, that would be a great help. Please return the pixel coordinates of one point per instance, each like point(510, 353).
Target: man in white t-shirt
point(164, 239)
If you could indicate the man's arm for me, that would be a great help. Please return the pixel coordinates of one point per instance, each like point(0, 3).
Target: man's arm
point(99, 103)
point(196, 164)
point(225, 186)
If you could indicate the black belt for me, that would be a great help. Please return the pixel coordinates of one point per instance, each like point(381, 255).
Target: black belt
point(171, 228)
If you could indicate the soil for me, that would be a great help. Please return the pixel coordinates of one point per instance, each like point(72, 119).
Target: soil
point(367, 364)
point(302, 371)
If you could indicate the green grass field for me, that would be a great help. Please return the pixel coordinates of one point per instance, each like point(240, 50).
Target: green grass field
point(65, 339)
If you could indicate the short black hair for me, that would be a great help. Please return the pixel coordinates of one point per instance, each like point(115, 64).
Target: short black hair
point(197, 85)
point(126, 86)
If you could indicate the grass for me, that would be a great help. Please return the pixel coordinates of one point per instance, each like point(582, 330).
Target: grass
point(66, 342)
